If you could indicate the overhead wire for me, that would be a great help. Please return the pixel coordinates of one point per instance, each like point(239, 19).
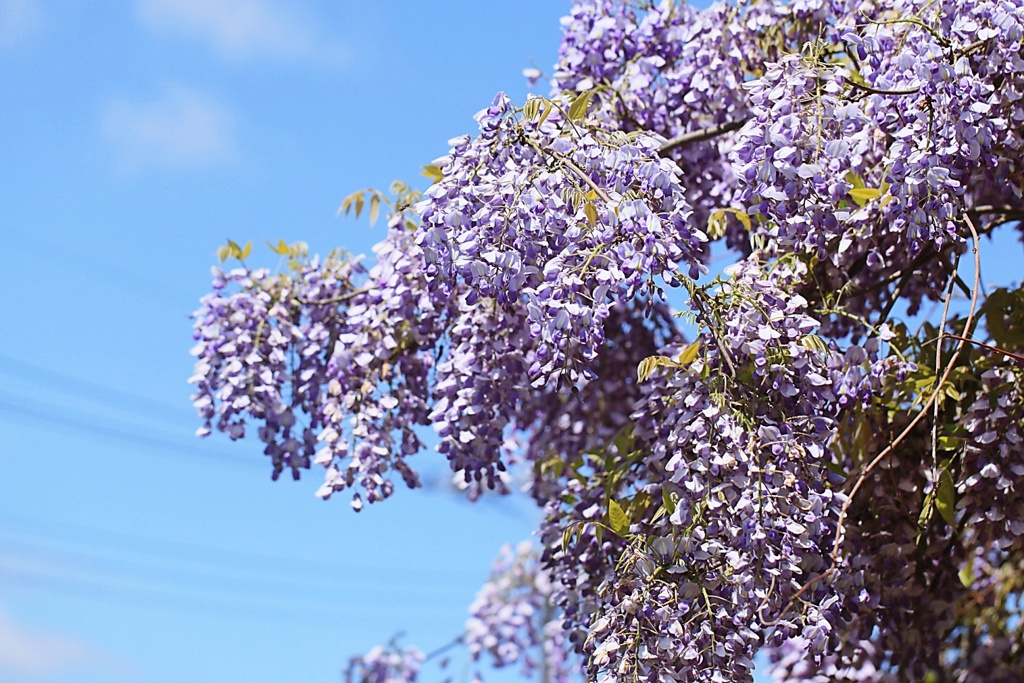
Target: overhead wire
point(166, 546)
point(68, 383)
point(8, 408)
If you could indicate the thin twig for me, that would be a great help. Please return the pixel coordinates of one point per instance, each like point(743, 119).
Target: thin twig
point(1007, 212)
point(939, 386)
point(1009, 354)
point(938, 364)
point(862, 477)
point(583, 176)
point(876, 91)
point(341, 298)
point(444, 648)
point(702, 135)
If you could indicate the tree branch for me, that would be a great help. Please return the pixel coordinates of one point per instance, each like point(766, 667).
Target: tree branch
point(702, 135)
point(863, 475)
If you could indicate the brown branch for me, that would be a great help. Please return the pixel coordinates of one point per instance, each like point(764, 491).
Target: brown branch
point(863, 475)
point(702, 135)
point(876, 91)
point(1010, 213)
point(341, 298)
point(1010, 354)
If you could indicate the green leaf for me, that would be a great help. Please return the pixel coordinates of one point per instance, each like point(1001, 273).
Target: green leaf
point(743, 217)
point(617, 518)
point(717, 224)
point(945, 498)
point(718, 221)
point(862, 195)
point(926, 513)
point(578, 108)
point(966, 575)
point(354, 199)
point(553, 466)
point(813, 342)
point(374, 208)
point(836, 468)
point(689, 354)
point(647, 366)
point(246, 250)
point(591, 213)
point(669, 500)
point(532, 108)
point(950, 443)
point(548, 108)
point(433, 172)
point(624, 441)
point(223, 252)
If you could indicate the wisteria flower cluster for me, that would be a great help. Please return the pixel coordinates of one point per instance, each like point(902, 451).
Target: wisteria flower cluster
point(746, 512)
point(385, 665)
point(537, 230)
point(512, 619)
point(805, 463)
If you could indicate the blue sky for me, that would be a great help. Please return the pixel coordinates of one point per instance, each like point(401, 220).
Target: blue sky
point(135, 137)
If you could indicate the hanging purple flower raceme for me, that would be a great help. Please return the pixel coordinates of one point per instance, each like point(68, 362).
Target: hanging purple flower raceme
point(513, 622)
point(377, 374)
point(556, 427)
point(535, 232)
point(732, 505)
point(260, 355)
point(856, 661)
point(992, 475)
point(385, 665)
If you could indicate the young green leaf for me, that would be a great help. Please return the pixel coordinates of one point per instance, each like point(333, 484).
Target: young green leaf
point(717, 223)
point(647, 366)
point(578, 108)
point(548, 108)
point(669, 500)
point(862, 195)
point(354, 199)
point(945, 498)
point(689, 354)
point(966, 575)
point(374, 207)
point(433, 172)
point(743, 217)
point(618, 519)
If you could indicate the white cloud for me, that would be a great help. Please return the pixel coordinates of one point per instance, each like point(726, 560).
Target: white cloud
point(181, 128)
point(20, 20)
point(245, 29)
point(27, 653)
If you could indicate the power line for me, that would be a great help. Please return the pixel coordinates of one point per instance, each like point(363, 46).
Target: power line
point(97, 588)
point(72, 384)
point(134, 560)
point(7, 408)
point(165, 544)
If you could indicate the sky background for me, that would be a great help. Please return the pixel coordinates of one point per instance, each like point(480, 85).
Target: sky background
point(135, 137)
